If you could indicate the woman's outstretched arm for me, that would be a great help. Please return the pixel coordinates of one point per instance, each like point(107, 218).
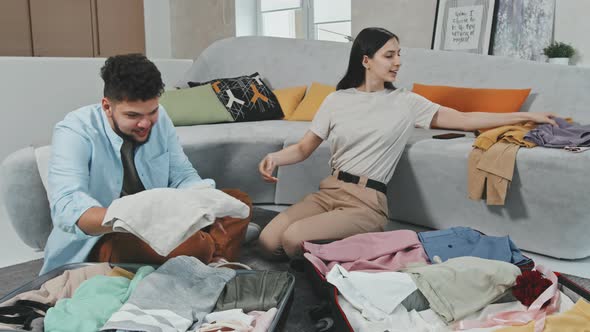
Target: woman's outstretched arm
point(449, 118)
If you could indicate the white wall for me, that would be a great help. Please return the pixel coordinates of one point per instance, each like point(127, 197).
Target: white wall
point(158, 43)
point(197, 24)
point(411, 20)
point(571, 26)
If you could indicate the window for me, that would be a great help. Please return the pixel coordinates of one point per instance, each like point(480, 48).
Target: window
point(306, 19)
point(331, 20)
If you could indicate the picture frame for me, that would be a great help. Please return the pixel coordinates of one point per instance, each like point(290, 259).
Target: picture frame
point(465, 25)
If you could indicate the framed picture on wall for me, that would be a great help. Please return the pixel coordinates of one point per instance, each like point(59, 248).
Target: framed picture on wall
point(464, 25)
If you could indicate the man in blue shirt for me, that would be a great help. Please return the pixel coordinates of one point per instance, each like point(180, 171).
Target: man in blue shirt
point(119, 147)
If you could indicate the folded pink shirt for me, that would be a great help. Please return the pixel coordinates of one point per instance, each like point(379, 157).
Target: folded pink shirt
point(380, 251)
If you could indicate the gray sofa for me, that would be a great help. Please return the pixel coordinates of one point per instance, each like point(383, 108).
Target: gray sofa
point(547, 208)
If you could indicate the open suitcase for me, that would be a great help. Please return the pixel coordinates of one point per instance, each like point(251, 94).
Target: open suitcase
point(339, 323)
point(276, 325)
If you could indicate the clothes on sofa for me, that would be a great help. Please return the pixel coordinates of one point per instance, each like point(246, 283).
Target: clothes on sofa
point(382, 251)
point(463, 285)
point(564, 134)
point(493, 170)
point(85, 171)
point(80, 314)
point(62, 286)
point(509, 134)
point(166, 217)
point(178, 295)
point(491, 163)
point(464, 241)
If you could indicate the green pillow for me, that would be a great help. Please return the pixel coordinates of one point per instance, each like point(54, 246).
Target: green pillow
point(194, 106)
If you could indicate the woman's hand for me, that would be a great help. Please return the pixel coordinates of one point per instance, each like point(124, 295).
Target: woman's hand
point(266, 168)
point(542, 117)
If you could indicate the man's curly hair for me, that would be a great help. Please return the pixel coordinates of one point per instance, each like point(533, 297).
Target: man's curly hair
point(131, 77)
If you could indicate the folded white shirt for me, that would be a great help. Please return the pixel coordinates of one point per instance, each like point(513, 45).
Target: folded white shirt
point(375, 295)
point(165, 217)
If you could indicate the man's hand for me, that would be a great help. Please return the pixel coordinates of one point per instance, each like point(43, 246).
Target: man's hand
point(90, 222)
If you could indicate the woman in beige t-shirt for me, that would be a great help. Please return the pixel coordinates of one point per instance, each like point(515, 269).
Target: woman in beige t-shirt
point(367, 122)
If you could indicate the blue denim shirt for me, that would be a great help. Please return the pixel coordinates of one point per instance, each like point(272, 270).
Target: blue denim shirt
point(85, 170)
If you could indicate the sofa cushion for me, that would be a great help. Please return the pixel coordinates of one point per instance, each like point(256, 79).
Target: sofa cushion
point(289, 98)
point(312, 101)
point(192, 106)
point(247, 98)
point(474, 100)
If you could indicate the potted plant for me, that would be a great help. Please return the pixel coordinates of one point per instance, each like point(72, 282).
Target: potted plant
point(559, 53)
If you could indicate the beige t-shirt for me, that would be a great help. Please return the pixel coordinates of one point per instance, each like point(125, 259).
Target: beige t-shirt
point(368, 130)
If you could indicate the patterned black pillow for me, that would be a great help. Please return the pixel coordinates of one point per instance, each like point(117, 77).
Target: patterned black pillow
point(247, 98)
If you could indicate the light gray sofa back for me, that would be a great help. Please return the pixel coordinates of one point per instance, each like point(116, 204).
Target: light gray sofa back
point(292, 62)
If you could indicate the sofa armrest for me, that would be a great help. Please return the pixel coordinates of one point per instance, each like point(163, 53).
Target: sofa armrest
point(24, 197)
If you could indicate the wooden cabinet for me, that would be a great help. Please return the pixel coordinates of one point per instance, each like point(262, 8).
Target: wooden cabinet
point(120, 27)
point(76, 28)
point(62, 28)
point(15, 28)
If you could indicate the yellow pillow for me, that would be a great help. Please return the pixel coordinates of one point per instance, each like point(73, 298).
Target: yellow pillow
point(311, 103)
point(289, 98)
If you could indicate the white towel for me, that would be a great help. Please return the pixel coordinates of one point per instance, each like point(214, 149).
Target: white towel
point(165, 217)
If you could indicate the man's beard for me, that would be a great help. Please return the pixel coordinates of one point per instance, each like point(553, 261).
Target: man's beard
point(129, 137)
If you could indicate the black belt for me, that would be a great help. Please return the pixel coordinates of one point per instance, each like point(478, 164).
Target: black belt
point(350, 178)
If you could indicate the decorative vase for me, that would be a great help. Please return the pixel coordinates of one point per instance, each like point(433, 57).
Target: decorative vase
point(560, 61)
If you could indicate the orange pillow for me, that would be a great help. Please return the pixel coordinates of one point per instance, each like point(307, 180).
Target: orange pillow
point(474, 100)
point(289, 99)
point(311, 103)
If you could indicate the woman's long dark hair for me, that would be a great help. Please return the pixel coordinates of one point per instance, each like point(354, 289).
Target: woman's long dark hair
point(367, 42)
